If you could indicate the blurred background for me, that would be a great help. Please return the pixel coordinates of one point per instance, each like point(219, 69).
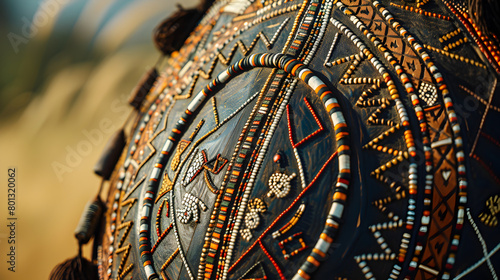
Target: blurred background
point(66, 70)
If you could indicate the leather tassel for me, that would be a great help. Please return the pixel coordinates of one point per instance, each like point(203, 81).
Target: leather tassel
point(142, 89)
point(106, 164)
point(170, 34)
point(77, 268)
point(89, 221)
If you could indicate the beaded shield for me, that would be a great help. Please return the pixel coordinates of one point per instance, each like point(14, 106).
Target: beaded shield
point(350, 139)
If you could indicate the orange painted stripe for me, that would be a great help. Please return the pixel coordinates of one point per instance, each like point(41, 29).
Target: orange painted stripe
point(262, 59)
point(332, 225)
point(312, 260)
point(286, 65)
point(303, 76)
point(341, 135)
point(303, 274)
point(253, 61)
point(343, 148)
point(324, 93)
point(319, 88)
point(295, 69)
point(340, 125)
point(325, 237)
point(320, 253)
point(339, 195)
point(331, 106)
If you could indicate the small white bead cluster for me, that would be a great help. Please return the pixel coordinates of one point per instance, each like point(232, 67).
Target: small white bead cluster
point(190, 210)
point(193, 169)
point(246, 234)
point(279, 184)
point(428, 93)
point(252, 219)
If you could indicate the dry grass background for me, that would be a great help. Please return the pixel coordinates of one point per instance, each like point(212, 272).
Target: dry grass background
point(62, 84)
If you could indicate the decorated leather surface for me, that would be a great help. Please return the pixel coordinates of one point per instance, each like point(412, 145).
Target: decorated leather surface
point(314, 139)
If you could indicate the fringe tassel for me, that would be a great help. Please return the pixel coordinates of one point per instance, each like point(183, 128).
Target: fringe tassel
point(77, 268)
point(170, 34)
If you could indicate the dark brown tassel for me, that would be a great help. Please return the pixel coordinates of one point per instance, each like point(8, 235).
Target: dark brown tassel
point(205, 5)
point(77, 268)
point(89, 220)
point(142, 89)
point(170, 34)
point(106, 164)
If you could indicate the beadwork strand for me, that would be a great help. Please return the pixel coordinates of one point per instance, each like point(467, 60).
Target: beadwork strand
point(456, 132)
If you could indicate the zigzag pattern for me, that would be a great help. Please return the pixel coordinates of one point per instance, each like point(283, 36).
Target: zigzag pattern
point(387, 253)
point(239, 45)
point(354, 65)
point(126, 227)
point(191, 88)
point(382, 203)
point(130, 204)
point(121, 271)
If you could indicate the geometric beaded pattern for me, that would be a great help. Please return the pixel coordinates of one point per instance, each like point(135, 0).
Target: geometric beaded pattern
point(325, 139)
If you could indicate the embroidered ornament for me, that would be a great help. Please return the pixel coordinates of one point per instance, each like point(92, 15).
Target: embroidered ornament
point(279, 184)
point(195, 168)
point(252, 219)
point(190, 210)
